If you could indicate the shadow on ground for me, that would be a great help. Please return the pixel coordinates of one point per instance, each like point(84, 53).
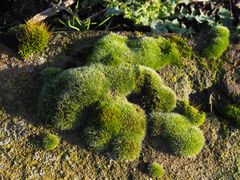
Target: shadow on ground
point(20, 80)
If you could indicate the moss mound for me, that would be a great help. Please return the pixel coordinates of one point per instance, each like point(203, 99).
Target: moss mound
point(97, 139)
point(110, 124)
point(50, 141)
point(33, 38)
point(183, 138)
point(219, 42)
point(67, 95)
point(232, 113)
point(195, 117)
point(155, 170)
point(95, 97)
point(127, 146)
point(115, 49)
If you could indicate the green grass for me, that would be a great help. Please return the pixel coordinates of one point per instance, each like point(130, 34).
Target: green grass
point(34, 37)
point(50, 141)
point(183, 138)
point(232, 113)
point(219, 42)
point(155, 170)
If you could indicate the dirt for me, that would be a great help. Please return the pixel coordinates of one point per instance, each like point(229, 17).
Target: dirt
point(22, 156)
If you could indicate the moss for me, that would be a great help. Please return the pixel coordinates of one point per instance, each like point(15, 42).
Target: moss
point(50, 141)
point(155, 170)
point(95, 96)
point(183, 138)
point(50, 73)
point(111, 50)
point(232, 113)
point(219, 42)
point(115, 49)
point(170, 52)
point(33, 38)
point(127, 147)
point(183, 44)
point(64, 97)
point(114, 117)
point(154, 96)
point(97, 140)
point(123, 73)
point(147, 52)
point(195, 117)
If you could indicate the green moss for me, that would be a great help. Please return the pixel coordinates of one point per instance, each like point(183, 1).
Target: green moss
point(219, 42)
point(96, 139)
point(193, 115)
point(127, 146)
point(232, 113)
point(182, 44)
point(50, 141)
point(95, 96)
point(154, 96)
point(146, 52)
point(50, 73)
point(33, 38)
point(64, 98)
point(111, 50)
point(115, 49)
point(183, 138)
point(155, 170)
point(123, 73)
point(170, 52)
point(112, 118)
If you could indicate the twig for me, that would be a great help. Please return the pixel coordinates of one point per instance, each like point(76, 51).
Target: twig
point(96, 14)
point(52, 11)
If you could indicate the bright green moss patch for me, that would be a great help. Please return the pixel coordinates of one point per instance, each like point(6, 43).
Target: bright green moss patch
point(127, 146)
point(50, 141)
point(115, 49)
point(97, 139)
point(95, 97)
point(153, 95)
point(195, 117)
point(123, 73)
point(33, 38)
point(64, 97)
point(155, 170)
point(232, 113)
point(112, 121)
point(183, 138)
point(219, 42)
point(112, 95)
